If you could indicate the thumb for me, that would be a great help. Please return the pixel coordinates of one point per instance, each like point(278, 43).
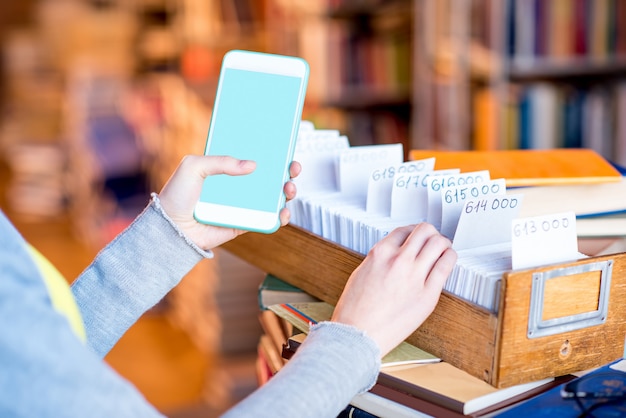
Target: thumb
point(211, 165)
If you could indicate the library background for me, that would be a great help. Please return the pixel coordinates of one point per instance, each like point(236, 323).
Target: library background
point(101, 98)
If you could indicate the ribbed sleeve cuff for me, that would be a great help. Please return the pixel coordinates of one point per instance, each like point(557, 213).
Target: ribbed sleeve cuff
point(157, 205)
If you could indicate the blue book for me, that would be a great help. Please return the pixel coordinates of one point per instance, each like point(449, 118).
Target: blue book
point(353, 412)
point(573, 119)
point(525, 120)
point(599, 393)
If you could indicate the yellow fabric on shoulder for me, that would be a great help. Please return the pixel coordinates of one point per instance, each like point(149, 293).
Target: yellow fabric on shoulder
point(60, 293)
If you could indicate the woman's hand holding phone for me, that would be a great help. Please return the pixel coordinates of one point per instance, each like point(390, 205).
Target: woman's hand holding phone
point(256, 116)
point(181, 192)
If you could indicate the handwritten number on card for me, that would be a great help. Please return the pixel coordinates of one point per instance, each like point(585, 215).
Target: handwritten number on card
point(496, 203)
point(382, 174)
point(531, 227)
point(450, 181)
point(456, 195)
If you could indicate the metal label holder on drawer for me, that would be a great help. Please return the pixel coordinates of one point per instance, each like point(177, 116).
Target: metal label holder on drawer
point(495, 347)
point(539, 326)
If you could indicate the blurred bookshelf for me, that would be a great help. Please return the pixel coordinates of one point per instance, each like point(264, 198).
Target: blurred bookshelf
point(521, 74)
point(449, 74)
point(365, 67)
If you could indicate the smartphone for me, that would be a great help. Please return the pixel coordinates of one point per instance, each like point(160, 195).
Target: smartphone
point(256, 115)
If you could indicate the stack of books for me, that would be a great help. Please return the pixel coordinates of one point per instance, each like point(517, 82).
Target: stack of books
point(411, 382)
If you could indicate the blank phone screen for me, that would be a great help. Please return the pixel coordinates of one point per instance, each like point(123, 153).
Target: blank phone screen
point(254, 119)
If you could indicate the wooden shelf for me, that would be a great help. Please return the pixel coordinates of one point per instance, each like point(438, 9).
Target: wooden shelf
point(351, 9)
point(360, 97)
point(568, 68)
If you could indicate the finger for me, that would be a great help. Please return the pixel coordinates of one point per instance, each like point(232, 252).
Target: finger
point(441, 270)
point(432, 251)
point(389, 246)
point(284, 216)
point(398, 236)
point(295, 168)
point(290, 190)
point(211, 165)
point(417, 238)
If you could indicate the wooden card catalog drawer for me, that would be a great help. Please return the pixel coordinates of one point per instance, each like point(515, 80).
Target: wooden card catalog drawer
point(551, 321)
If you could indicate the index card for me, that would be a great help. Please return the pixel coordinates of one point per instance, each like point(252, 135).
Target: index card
point(486, 221)
point(419, 204)
point(305, 134)
point(306, 125)
point(545, 239)
point(379, 190)
point(362, 225)
point(407, 185)
point(436, 183)
point(318, 207)
point(453, 199)
point(331, 220)
point(356, 164)
point(318, 155)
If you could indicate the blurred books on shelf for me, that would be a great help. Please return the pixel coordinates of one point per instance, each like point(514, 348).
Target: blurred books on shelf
point(270, 361)
point(566, 31)
point(363, 56)
point(37, 187)
point(270, 346)
point(555, 71)
point(235, 302)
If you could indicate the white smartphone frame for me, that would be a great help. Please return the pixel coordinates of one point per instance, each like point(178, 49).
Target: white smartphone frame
point(220, 210)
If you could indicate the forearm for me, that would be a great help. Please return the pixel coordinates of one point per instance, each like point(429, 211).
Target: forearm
point(131, 274)
point(334, 363)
